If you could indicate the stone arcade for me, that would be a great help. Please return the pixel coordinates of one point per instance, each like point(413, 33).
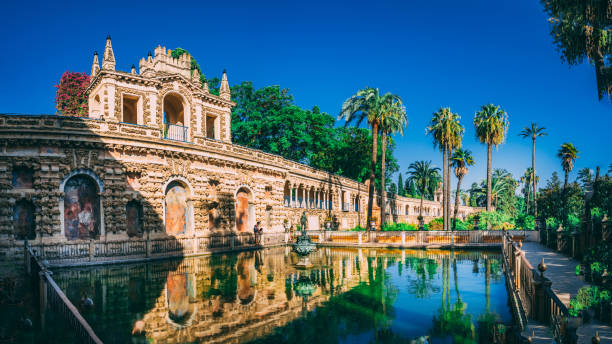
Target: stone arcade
point(154, 161)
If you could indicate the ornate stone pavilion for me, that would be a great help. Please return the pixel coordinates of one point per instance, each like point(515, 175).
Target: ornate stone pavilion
point(154, 159)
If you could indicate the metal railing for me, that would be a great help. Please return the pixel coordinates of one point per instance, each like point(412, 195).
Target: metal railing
point(176, 132)
point(51, 296)
point(98, 250)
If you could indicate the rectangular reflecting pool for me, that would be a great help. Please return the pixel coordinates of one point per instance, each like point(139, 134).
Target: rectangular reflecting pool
point(347, 296)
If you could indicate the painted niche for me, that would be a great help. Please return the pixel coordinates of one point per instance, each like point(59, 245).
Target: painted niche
point(134, 225)
point(24, 220)
point(23, 178)
point(81, 208)
point(177, 209)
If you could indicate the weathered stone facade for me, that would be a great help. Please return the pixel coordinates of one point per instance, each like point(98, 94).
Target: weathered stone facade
point(148, 134)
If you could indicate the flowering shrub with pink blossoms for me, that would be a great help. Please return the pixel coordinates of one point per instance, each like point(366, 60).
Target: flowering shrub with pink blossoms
point(70, 98)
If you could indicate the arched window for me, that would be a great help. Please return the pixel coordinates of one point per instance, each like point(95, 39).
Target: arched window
point(23, 177)
point(177, 209)
point(174, 118)
point(81, 208)
point(134, 225)
point(96, 108)
point(24, 224)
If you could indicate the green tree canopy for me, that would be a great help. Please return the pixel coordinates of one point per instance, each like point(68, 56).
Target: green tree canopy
point(582, 30)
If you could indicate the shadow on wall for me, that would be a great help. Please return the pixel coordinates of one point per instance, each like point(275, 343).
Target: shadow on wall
point(78, 198)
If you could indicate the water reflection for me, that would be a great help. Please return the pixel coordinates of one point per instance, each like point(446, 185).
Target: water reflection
point(349, 296)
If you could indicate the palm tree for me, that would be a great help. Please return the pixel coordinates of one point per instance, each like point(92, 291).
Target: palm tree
point(447, 133)
point(501, 183)
point(527, 180)
point(534, 132)
point(366, 104)
point(393, 120)
point(422, 174)
point(585, 176)
point(491, 124)
point(461, 159)
point(568, 154)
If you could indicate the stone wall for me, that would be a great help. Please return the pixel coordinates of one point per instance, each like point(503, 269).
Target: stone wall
point(131, 162)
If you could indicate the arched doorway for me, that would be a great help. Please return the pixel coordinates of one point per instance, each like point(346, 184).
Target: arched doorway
point(245, 210)
point(81, 208)
point(175, 127)
point(177, 214)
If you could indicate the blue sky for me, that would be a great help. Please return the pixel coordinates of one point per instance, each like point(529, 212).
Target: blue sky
point(432, 53)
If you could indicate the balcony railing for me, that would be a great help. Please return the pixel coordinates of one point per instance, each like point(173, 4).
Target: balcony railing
point(175, 132)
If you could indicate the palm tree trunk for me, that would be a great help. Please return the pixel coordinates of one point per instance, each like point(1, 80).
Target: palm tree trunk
point(444, 168)
point(566, 180)
point(372, 175)
point(527, 200)
point(421, 207)
point(459, 178)
point(448, 189)
point(489, 177)
point(382, 181)
point(533, 180)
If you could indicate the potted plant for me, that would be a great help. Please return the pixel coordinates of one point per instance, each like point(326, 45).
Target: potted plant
point(575, 309)
point(286, 225)
point(605, 306)
point(327, 222)
point(596, 272)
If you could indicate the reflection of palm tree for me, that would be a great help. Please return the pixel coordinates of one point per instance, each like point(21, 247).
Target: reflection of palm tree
point(452, 321)
point(425, 269)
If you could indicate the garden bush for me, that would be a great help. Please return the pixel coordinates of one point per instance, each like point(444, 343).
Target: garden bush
point(436, 224)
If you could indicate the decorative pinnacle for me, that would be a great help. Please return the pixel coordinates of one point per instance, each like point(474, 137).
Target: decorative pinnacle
point(542, 267)
point(224, 71)
point(596, 339)
point(108, 37)
point(95, 53)
point(149, 53)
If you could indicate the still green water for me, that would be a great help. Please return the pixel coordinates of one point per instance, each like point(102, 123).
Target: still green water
point(348, 296)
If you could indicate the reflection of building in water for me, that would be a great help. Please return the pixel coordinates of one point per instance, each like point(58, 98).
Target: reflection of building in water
point(225, 298)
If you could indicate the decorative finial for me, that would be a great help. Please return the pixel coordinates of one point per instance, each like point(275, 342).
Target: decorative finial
point(95, 53)
point(596, 339)
point(542, 267)
point(133, 71)
point(149, 54)
point(108, 37)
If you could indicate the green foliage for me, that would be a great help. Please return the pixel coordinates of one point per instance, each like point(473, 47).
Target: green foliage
point(176, 53)
point(604, 296)
point(358, 228)
point(496, 220)
point(552, 222)
point(577, 270)
point(423, 176)
point(526, 222)
point(588, 296)
point(267, 119)
point(436, 224)
point(574, 308)
point(551, 202)
point(596, 267)
point(399, 227)
point(582, 31)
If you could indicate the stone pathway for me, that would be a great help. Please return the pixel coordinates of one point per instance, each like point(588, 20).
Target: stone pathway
point(562, 272)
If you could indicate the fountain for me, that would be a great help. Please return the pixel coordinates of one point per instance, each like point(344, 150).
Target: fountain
point(304, 246)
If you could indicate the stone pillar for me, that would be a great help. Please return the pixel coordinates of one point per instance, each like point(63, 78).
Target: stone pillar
point(540, 302)
point(517, 269)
